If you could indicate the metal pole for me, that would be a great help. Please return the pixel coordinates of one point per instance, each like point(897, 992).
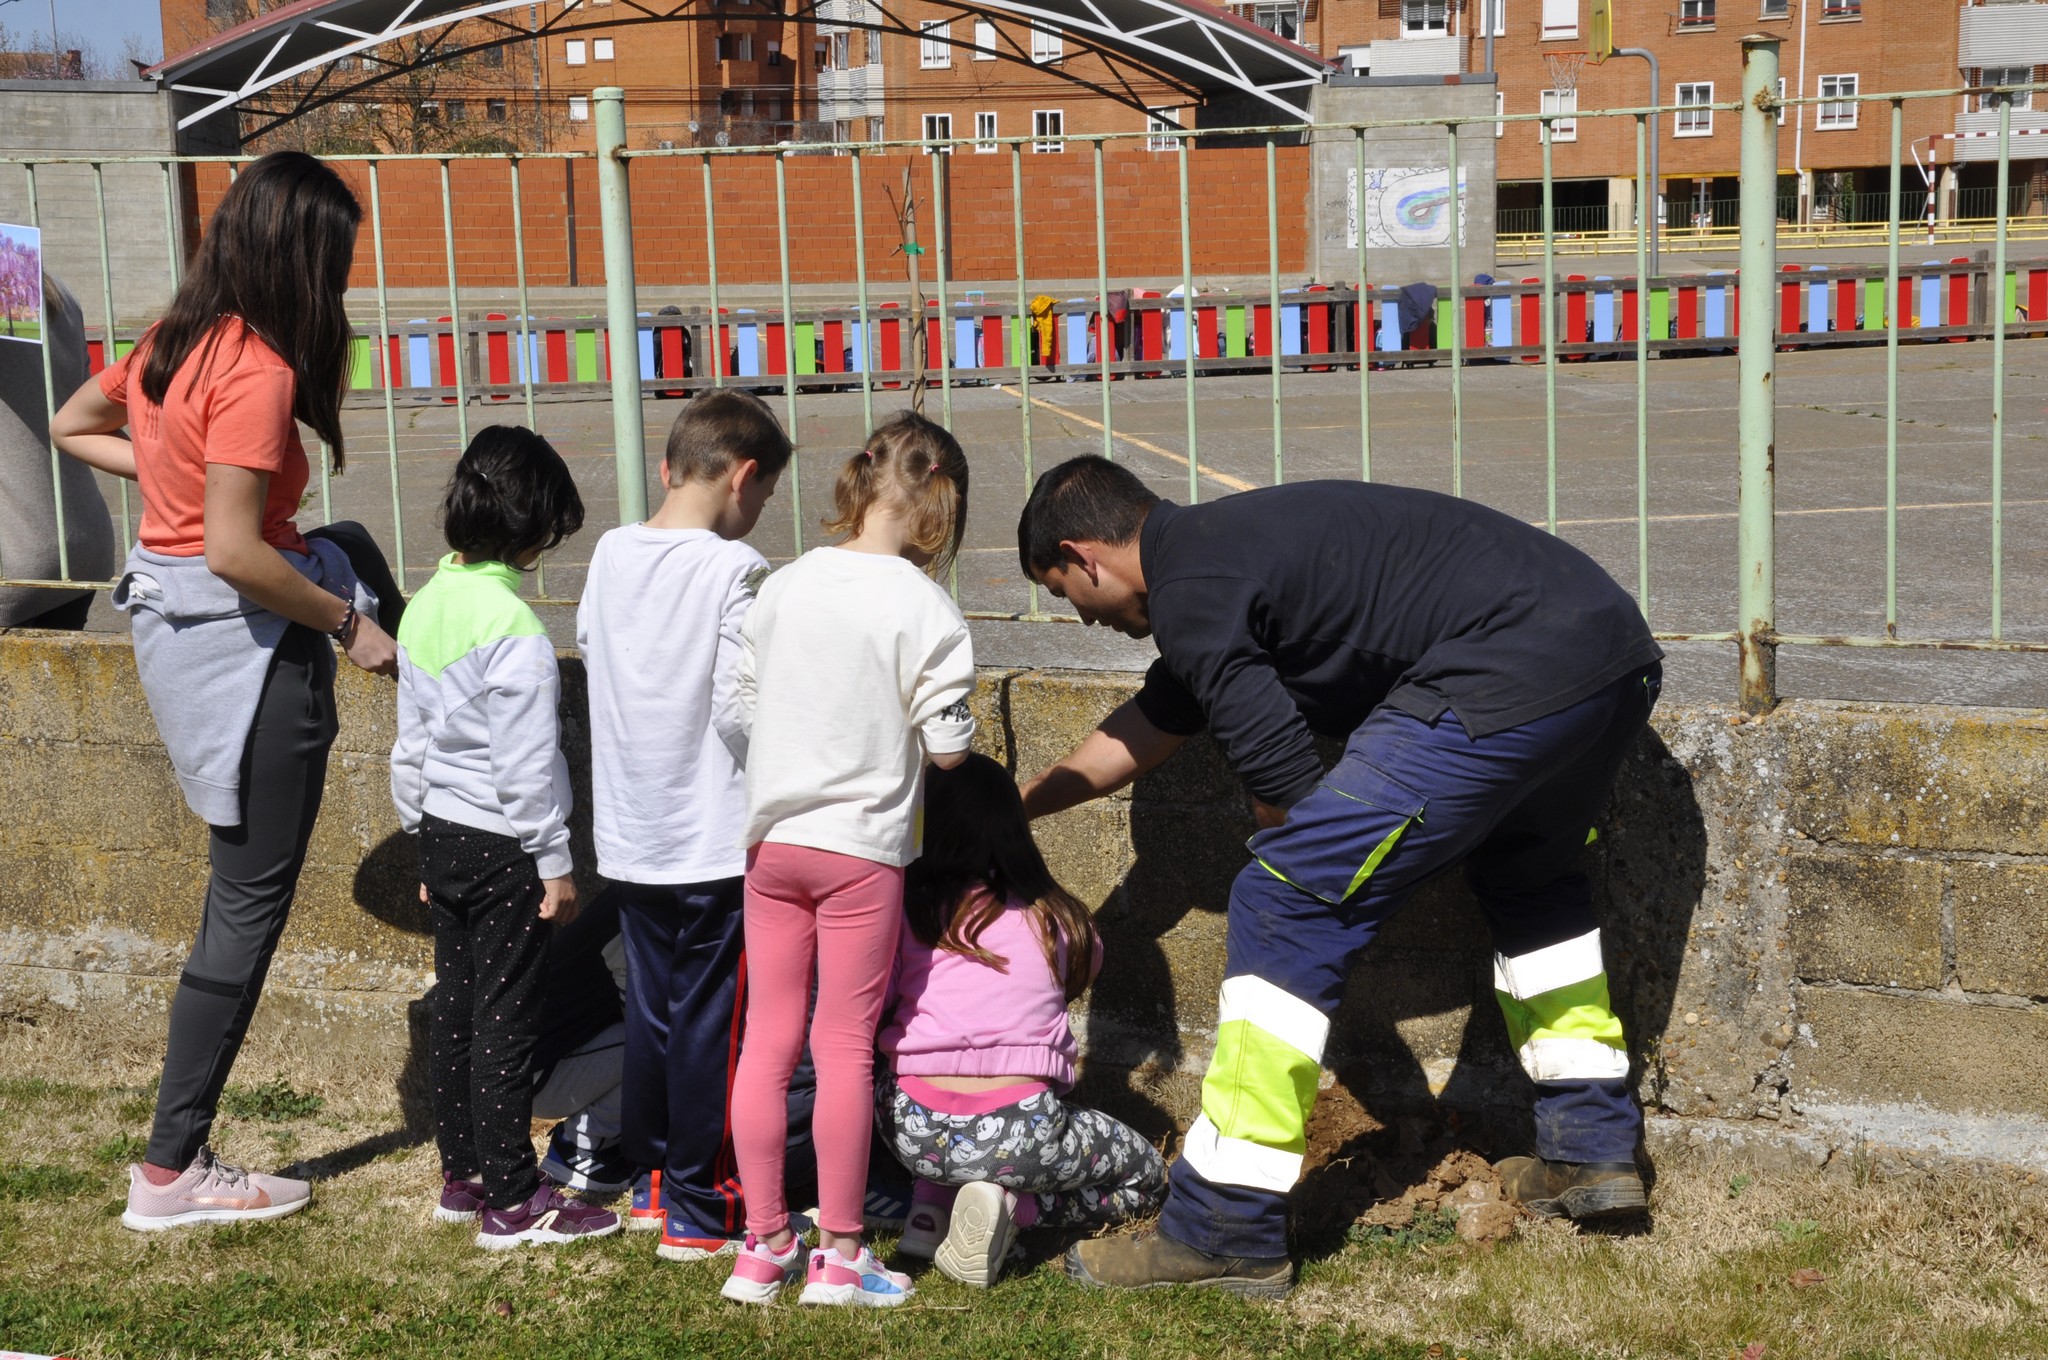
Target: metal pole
point(1023, 331)
point(1187, 311)
point(868, 348)
point(1105, 329)
point(1362, 340)
point(615, 211)
point(1642, 376)
point(1652, 206)
point(99, 194)
point(1757, 375)
point(796, 481)
point(1548, 128)
point(1998, 311)
point(385, 364)
point(943, 261)
point(35, 219)
point(1457, 316)
point(454, 309)
point(1891, 381)
point(713, 335)
point(1273, 300)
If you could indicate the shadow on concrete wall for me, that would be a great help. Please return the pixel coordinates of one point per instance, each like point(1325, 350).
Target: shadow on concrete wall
point(1419, 1033)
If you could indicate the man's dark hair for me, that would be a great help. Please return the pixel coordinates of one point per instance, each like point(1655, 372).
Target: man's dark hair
point(718, 429)
point(511, 493)
point(1087, 498)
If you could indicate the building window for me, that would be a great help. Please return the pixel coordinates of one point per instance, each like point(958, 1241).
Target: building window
point(985, 133)
point(1560, 19)
point(984, 40)
point(1841, 9)
point(1500, 109)
point(226, 13)
point(1560, 101)
point(876, 130)
point(938, 127)
point(1283, 19)
point(1045, 44)
point(458, 110)
point(579, 109)
point(1992, 76)
point(841, 58)
point(1842, 115)
point(746, 104)
point(736, 47)
point(1781, 101)
point(1045, 125)
point(1160, 125)
point(1493, 16)
point(1777, 9)
point(1694, 119)
point(494, 110)
point(574, 52)
point(1421, 16)
point(775, 54)
point(1695, 13)
point(934, 45)
point(601, 49)
point(1356, 61)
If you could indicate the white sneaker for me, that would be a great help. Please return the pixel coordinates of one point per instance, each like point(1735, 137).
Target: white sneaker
point(924, 1229)
point(978, 1242)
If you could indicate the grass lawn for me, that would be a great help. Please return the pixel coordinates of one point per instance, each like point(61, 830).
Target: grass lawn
point(1852, 1264)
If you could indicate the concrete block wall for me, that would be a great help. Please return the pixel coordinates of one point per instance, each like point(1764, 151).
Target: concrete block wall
point(95, 118)
point(1839, 907)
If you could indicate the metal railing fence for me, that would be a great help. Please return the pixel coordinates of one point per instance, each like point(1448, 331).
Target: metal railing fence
point(1271, 330)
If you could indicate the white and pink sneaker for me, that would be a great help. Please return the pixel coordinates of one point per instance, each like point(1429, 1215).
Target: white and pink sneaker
point(758, 1274)
point(210, 1191)
point(862, 1282)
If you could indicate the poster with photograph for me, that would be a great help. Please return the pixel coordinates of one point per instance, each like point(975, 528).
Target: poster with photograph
point(21, 284)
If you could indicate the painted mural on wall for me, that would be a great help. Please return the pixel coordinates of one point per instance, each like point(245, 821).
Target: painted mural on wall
point(1403, 206)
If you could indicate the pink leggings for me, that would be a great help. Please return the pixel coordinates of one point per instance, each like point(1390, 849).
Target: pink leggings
point(845, 913)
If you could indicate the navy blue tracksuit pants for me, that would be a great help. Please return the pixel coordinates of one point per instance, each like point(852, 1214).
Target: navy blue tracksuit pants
point(1408, 800)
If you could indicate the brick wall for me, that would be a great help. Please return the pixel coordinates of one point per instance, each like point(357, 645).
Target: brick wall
point(1226, 186)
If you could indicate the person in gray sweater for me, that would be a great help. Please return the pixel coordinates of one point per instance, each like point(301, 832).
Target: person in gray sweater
point(28, 512)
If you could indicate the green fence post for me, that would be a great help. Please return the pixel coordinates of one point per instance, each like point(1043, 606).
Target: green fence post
point(615, 209)
point(1757, 377)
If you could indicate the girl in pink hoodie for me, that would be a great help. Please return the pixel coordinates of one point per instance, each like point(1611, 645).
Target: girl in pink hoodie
point(993, 951)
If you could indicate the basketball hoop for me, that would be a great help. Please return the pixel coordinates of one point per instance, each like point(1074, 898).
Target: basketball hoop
point(1564, 70)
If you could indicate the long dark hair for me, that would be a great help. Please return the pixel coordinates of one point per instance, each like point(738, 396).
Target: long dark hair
point(277, 255)
point(510, 494)
point(978, 854)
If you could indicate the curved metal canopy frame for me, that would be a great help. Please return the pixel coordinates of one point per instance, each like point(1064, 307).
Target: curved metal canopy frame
point(1194, 47)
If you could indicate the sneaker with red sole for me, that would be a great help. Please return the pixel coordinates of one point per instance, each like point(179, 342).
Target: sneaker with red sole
point(646, 1213)
point(461, 1200)
point(863, 1282)
point(210, 1191)
point(682, 1240)
point(547, 1219)
point(759, 1274)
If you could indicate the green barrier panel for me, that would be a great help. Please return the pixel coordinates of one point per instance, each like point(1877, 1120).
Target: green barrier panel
point(360, 378)
point(1234, 334)
point(1874, 318)
point(2012, 297)
point(1660, 314)
point(806, 348)
point(1443, 323)
point(586, 356)
point(1020, 351)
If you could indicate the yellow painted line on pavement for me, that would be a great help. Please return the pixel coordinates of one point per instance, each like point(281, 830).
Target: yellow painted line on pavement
point(1221, 478)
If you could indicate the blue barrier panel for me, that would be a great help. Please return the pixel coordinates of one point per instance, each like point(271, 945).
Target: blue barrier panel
point(1930, 297)
point(1077, 336)
point(966, 342)
point(1817, 303)
point(1714, 308)
point(1290, 323)
point(1500, 313)
point(419, 355)
point(1390, 324)
point(748, 341)
point(1603, 310)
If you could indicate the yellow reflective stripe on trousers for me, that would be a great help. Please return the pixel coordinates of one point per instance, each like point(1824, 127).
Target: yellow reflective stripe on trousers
point(1365, 870)
point(1261, 1084)
point(1222, 1160)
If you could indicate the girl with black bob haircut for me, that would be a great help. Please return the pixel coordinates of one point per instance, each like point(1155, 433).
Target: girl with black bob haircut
point(510, 499)
point(993, 951)
point(232, 609)
point(478, 774)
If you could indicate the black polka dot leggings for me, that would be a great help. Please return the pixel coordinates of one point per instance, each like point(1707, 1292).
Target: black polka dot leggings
point(490, 951)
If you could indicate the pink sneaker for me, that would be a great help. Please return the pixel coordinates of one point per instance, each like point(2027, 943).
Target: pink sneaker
point(210, 1191)
point(863, 1282)
point(758, 1274)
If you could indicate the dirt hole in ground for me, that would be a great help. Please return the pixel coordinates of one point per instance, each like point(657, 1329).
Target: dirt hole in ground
point(1398, 1175)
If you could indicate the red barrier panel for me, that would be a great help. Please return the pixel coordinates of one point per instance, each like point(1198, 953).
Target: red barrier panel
point(1631, 308)
point(891, 360)
point(1475, 323)
point(607, 338)
point(2037, 295)
point(1907, 288)
point(934, 336)
point(498, 357)
point(1153, 331)
point(558, 356)
point(1261, 338)
point(1848, 299)
point(1105, 342)
point(1688, 311)
point(1788, 296)
point(1532, 322)
point(1319, 340)
point(447, 365)
point(394, 367)
point(992, 355)
point(835, 347)
point(1958, 300)
point(95, 355)
point(670, 338)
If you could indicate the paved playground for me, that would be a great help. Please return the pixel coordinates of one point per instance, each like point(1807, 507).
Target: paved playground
point(1830, 467)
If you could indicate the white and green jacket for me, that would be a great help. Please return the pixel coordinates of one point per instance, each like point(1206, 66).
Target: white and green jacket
point(478, 736)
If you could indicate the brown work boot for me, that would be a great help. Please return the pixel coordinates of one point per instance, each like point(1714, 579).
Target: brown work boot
point(1578, 1191)
point(1152, 1260)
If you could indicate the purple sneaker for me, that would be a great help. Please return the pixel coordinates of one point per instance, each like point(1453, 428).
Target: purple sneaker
point(549, 1217)
point(461, 1200)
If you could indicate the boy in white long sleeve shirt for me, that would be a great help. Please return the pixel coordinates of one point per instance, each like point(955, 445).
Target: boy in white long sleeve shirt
point(659, 628)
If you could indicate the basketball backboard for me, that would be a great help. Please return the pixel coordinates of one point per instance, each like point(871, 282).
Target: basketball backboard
point(1600, 29)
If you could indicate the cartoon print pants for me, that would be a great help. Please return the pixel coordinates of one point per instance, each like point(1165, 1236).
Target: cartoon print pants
point(1084, 1167)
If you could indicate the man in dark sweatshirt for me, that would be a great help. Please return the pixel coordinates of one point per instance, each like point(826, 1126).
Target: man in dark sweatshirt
point(1488, 679)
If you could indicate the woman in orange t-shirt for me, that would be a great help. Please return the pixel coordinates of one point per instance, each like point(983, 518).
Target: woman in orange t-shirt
point(233, 608)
